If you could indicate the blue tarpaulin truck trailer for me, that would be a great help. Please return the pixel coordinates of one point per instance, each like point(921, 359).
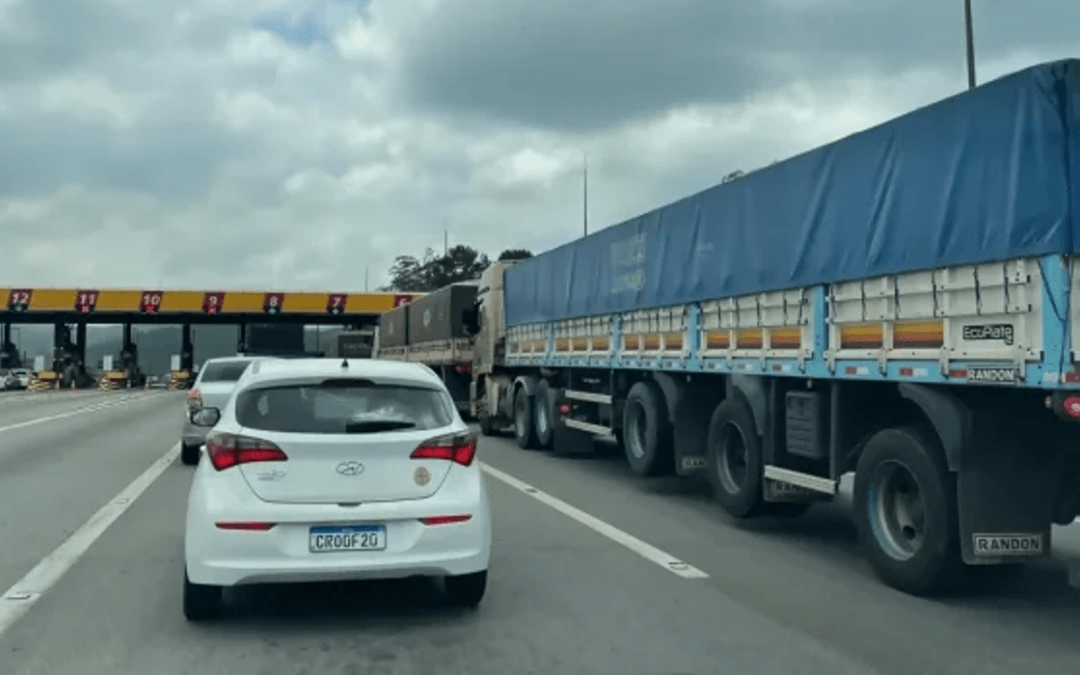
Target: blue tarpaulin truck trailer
point(898, 303)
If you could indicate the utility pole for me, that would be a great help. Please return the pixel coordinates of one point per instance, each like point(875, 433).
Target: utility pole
point(585, 200)
point(970, 44)
point(366, 270)
point(446, 242)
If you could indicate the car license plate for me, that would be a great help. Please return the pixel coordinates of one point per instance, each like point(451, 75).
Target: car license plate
point(328, 538)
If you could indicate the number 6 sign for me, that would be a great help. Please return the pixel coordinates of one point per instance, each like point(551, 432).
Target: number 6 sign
point(272, 303)
point(151, 302)
point(212, 303)
point(85, 301)
point(335, 304)
point(19, 300)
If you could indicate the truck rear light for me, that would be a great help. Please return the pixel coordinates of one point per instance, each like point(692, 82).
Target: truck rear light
point(227, 450)
point(445, 520)
point(564, 408)
point(1071, 406)
point(460, 448)
point(246, 526)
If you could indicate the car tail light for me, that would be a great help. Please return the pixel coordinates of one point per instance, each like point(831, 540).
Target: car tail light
point(246, 526)
point(460, 448)
point(445, 520)
point(194, 398)
point(226, 450)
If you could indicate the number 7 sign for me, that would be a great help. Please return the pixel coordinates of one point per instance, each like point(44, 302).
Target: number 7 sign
point(335, 304)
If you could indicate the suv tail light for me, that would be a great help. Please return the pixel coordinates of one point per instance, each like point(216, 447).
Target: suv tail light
point(460, 448)
point(226, 450)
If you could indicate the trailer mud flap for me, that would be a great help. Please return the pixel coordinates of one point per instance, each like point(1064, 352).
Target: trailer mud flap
point(693, 410)
point(1005, 493)
point(567, 441)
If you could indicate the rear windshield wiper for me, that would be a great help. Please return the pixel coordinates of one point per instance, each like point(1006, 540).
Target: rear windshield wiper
point(374, 426)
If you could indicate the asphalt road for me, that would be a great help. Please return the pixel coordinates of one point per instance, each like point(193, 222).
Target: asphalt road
point(567, 594)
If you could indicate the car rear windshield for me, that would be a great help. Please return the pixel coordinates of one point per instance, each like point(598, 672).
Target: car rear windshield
point(224, 371)
point(344, 408)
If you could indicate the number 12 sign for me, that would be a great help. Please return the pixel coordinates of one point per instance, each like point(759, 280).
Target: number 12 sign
point(19, 300)
point(85, 301)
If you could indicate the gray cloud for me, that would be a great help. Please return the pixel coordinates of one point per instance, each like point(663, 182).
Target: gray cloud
point(581, 67)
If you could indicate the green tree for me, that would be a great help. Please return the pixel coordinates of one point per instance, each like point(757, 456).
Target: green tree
point(515, 254)
point(430, 273)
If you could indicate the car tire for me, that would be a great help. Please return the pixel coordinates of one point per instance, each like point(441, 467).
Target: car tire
point(189, 454)
point(201, 602)
point(466, 590)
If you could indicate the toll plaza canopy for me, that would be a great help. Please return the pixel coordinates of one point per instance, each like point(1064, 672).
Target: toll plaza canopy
point(90, 305)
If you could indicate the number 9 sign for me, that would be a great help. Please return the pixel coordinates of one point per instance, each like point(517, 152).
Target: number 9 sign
point(212, 303)
point(272, 303)
point(151, 302)
point(19, 300)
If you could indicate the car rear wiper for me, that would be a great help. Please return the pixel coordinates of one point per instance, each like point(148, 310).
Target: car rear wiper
point(374, 426)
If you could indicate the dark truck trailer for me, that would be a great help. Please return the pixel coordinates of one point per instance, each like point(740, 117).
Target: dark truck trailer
point(437, 335)
point(903, 304)
point(274, 340)
point(355, 344)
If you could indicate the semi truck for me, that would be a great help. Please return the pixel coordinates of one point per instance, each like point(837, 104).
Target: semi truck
point(899, 304)
point(431, 329)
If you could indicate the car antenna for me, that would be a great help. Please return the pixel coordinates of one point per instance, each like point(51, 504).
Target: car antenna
point(345, 363)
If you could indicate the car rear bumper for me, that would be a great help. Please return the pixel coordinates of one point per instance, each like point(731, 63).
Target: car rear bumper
point(282, 555)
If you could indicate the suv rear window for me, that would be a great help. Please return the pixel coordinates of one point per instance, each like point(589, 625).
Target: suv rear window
point(223, 371)
point(344, 408)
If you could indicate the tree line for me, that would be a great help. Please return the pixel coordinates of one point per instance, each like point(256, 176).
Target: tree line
point(431, 272)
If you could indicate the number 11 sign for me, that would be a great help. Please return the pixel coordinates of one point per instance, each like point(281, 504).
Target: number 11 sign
point(85, 301)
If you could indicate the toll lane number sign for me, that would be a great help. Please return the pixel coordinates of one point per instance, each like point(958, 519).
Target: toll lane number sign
point(85, 301)
point(212, 303)
point(19, 300)
point(272, 303)
point(151, 302)
point(335, 304)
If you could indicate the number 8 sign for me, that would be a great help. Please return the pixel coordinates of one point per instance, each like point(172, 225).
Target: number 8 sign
point(151, 302)
point(272, 303)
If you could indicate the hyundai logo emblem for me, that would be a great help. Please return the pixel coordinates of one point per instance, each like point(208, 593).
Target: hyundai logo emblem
point(350, 468)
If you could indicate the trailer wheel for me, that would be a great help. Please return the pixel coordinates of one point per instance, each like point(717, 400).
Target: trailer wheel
point(544, 414)
point(733, 456)
point(905, 510)
point(647, 435)
point(524, 428)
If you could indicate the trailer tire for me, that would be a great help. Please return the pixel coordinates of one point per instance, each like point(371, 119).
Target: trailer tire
point(544, 414)
point(524, 427)
point(733, 458)
point(647, 435)
point(915, 557)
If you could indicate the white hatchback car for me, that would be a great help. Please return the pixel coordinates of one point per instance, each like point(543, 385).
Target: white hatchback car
point(321, 470)
point(211, 389)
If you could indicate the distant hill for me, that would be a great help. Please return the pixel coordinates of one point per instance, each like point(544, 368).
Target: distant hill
point(156, 344)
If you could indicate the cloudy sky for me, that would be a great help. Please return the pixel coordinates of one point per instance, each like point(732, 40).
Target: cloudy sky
point(266, 144)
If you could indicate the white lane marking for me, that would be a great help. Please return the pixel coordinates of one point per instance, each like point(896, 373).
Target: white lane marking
point(73, 413)
point(645, 550)
point(21, 597)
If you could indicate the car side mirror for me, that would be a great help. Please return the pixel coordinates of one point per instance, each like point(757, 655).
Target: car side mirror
point(205, 417)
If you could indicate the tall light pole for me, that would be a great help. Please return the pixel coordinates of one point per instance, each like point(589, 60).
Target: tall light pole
point(585, 195)
point(970, 44)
